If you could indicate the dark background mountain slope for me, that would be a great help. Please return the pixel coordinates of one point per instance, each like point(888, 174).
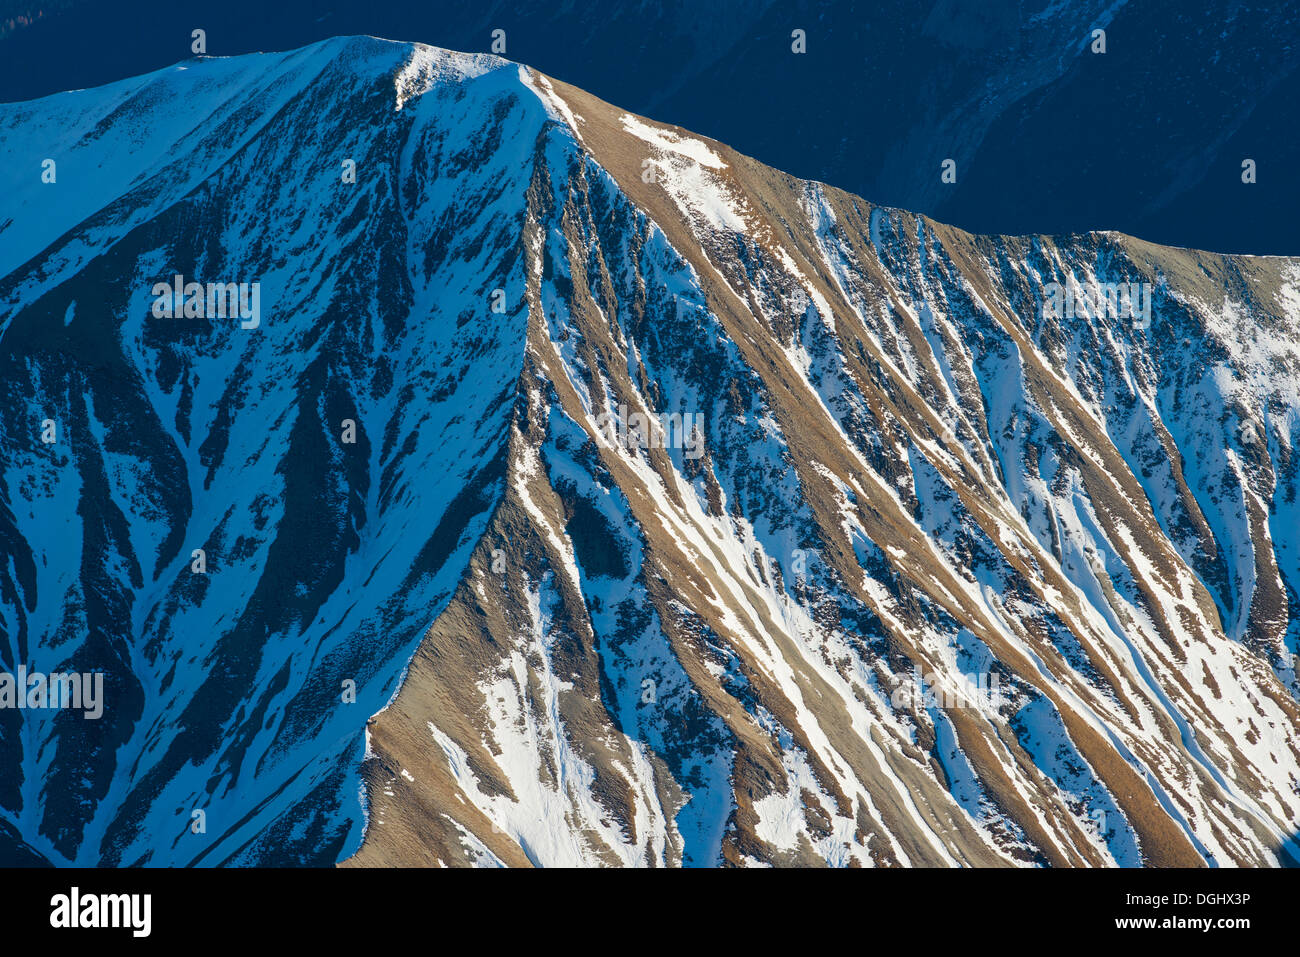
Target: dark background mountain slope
point(1147, 139)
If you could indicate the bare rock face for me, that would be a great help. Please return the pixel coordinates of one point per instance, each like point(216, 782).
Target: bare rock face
point(690, 513)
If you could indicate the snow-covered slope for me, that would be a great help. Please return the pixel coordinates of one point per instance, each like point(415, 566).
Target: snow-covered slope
point(747, 640)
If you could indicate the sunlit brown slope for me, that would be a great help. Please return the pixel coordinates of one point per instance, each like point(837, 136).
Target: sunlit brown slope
point(906, 470)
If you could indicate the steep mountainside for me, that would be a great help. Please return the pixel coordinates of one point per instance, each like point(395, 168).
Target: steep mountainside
point(696, 514)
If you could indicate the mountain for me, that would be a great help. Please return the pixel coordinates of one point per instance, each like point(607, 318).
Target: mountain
point(572, 489)
point(1048, 132)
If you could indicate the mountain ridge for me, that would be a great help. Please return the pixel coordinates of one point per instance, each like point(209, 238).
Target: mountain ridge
point(879, 390)
point(1049, 134)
